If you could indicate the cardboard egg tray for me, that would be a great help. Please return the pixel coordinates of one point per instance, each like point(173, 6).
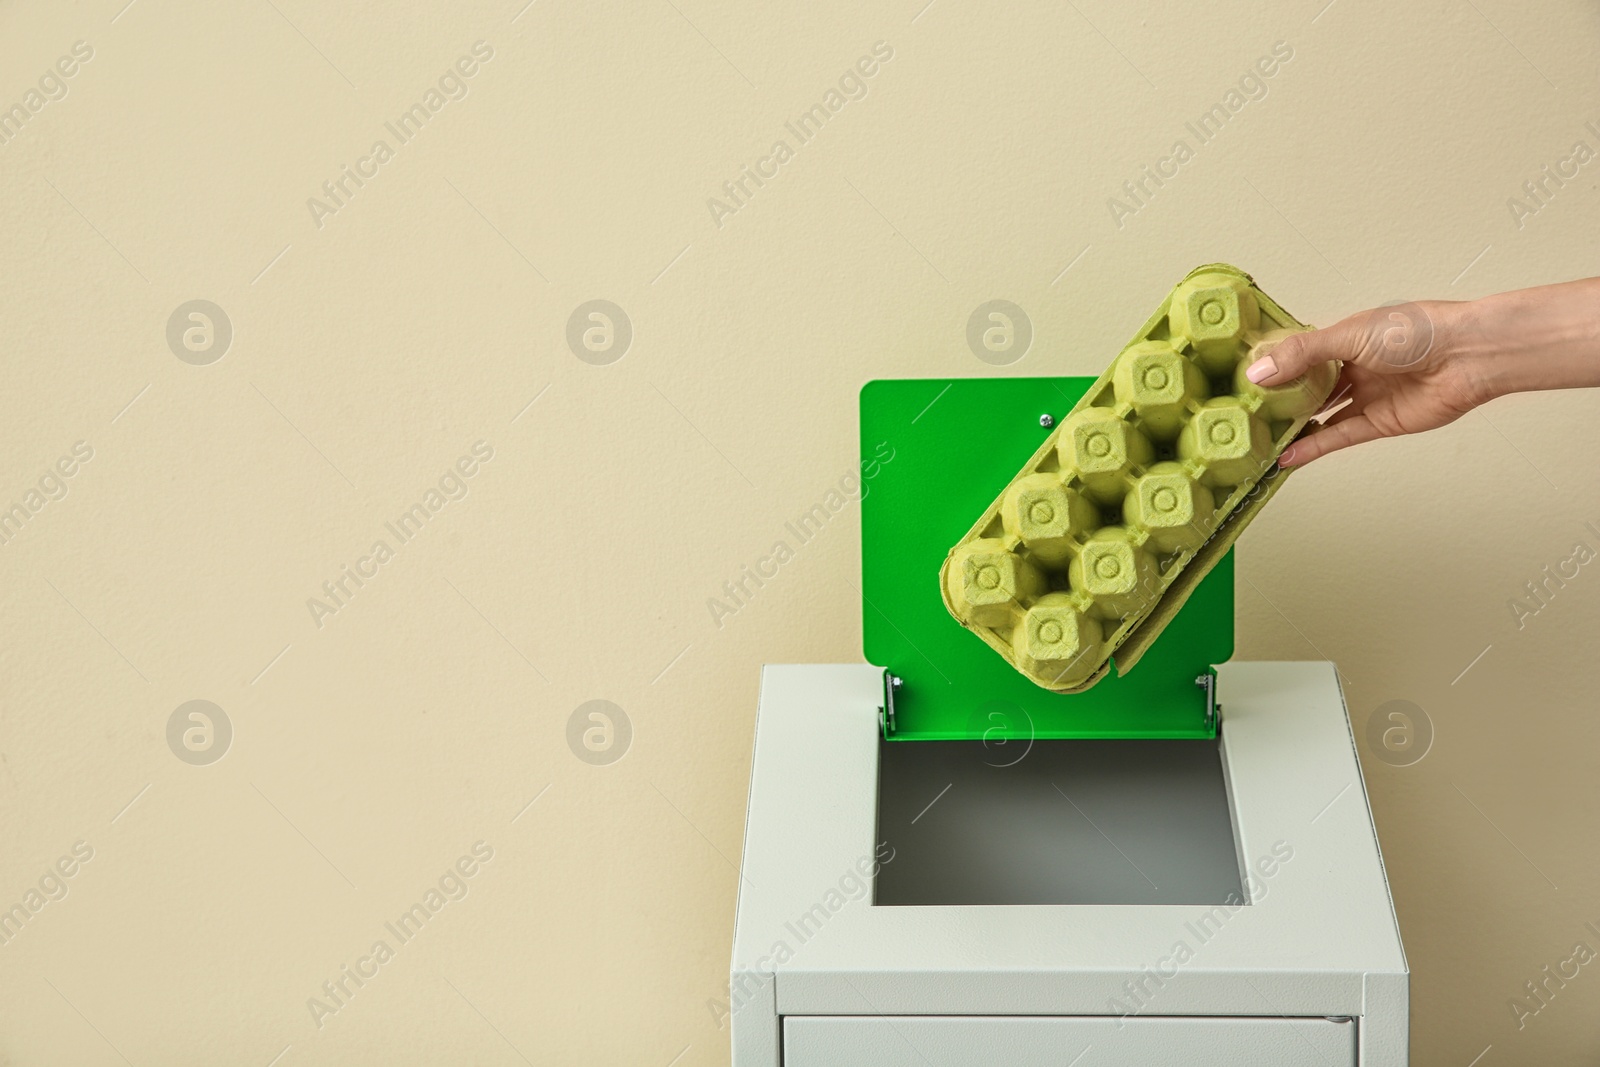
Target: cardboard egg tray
point(1105, 531)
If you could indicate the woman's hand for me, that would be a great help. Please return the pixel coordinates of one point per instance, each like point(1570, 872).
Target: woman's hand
point(1415, 367)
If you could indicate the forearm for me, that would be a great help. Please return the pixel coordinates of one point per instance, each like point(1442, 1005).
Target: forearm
point(1542, 338)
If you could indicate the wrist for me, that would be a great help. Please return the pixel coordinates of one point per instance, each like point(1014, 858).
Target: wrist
point(1542, 338)
point(1465, 343)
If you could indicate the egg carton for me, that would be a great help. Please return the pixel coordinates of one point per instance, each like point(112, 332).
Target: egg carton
point(1130, 501)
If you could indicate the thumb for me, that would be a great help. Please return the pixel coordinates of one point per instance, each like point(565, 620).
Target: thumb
point(1278, 361)
point(1390, 339)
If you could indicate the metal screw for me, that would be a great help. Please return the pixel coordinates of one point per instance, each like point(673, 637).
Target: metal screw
point(1047, 421)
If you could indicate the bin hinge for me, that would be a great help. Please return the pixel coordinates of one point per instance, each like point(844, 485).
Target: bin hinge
point(891, 685)
point(1208, 682)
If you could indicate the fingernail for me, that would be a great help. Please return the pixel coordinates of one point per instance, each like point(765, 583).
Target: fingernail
point(1265, 367)
point(1287, 459)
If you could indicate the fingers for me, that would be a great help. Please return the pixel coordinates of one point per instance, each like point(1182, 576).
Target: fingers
point(1342, 433)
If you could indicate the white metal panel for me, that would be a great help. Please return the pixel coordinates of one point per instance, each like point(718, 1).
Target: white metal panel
point(1313, 942)
point(1302, 948)
point(1386, 1020)
point(818, 714)
point(1020, 1041)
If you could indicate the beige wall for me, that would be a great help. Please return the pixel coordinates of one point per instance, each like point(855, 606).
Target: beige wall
point(372, 351)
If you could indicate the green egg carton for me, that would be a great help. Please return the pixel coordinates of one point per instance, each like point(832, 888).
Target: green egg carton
point(1091, 549)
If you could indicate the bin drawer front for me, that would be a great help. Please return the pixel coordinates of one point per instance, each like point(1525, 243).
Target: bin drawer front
point(1081, 1041)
